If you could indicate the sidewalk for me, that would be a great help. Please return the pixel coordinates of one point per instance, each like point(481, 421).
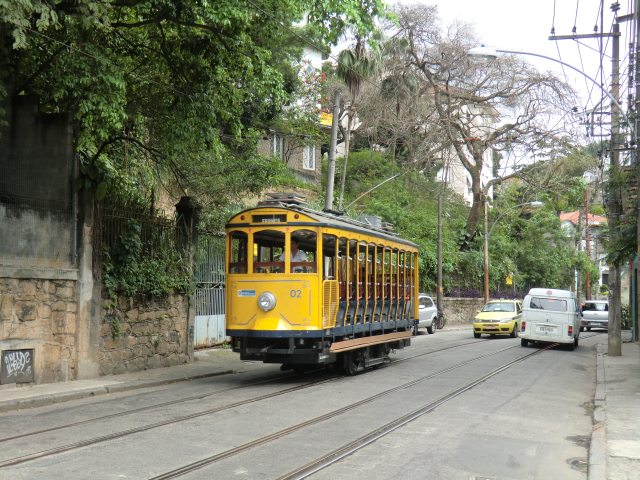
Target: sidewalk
point(207, 363)
point(615, 442)
point(614, 453)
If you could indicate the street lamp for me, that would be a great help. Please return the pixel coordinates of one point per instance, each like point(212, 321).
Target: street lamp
point(487, 232)
point(484, 53)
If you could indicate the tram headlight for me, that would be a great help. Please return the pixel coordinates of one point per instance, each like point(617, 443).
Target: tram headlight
point(267, 301)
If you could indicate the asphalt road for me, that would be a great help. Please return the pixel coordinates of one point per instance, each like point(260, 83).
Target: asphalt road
point(448, 407)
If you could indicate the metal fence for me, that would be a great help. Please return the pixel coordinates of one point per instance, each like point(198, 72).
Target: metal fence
point(210, 292)
point(114, 227)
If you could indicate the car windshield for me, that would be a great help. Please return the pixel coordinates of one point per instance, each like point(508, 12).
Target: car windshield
point(499, 307)
point(598, 307)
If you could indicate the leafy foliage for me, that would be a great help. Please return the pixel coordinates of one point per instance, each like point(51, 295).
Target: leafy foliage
point(152, 268)
point(526, 244)
point(169, 95)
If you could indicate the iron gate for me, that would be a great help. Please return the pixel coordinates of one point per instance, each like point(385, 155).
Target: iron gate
point(210, 292)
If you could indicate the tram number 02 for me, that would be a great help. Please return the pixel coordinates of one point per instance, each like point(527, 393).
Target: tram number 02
point(295, 293)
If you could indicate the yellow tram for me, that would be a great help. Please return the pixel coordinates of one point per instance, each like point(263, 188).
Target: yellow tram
point(308, 288)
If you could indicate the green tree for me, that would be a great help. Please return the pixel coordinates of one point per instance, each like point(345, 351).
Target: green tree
point(354, 67)
point(169, 93)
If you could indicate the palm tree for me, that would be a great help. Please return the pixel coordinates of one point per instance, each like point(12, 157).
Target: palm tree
point(354, 67)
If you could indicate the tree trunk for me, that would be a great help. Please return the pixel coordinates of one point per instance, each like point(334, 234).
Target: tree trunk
point(347, 141)
point(476, 208)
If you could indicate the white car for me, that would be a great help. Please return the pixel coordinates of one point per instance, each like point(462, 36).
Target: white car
point(595, 314)
point(427, 313)
point(550, 316)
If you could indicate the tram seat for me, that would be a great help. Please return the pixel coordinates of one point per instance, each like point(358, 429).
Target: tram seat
point(385, 310)
point(342, 310)
point(401, 309)
point(378, 313)
point(370, 305)
point(362, 304)
point(393, 309)
point(351, 311)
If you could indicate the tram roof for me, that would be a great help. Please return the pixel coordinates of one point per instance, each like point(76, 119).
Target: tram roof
point(327, 219)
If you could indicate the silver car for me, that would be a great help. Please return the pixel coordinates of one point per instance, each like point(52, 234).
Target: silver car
point(595, 314)
point(427, 313)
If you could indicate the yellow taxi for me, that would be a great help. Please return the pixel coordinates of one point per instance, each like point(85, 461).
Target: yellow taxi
point(498, 317)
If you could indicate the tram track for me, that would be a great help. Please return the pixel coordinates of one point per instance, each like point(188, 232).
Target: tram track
point(123, 433)
point(345, 450)
point(348, 449)
point(271, 379)
point(212, 459)
point(316, 420)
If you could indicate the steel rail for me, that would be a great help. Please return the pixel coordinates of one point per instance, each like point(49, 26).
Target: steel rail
point(132, 431)
point(191, 467)
point(203, 396)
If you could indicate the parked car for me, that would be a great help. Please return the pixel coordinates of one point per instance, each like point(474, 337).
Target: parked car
point(498, 317)
point(551, 316)
point(595, 314)
point(427, 313)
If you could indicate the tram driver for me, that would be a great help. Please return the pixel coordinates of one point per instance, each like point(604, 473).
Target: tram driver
point(297, 255)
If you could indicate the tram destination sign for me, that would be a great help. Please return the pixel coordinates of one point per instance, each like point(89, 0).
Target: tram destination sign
point(269, 218)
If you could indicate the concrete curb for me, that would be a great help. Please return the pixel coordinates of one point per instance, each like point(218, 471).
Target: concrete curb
point(598, 447)
point(44, 399)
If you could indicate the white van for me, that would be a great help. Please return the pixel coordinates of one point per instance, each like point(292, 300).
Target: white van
point(550, 315)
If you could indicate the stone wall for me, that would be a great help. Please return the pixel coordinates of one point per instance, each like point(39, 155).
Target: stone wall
point(41, 314)
point(461, 311)
point(148, 334)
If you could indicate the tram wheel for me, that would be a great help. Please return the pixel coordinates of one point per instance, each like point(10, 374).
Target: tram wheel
point(353, 362)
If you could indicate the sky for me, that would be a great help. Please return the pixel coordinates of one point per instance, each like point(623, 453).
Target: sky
point(525, 25)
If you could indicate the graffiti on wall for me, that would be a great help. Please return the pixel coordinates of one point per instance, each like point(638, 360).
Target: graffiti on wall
point(16, 366)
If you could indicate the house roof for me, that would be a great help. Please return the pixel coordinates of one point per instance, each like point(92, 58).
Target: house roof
point(594, 220)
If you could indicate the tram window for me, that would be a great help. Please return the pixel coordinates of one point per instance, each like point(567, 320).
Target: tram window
point(238, 242)
point(268, 246)
point(353, 267)
point(329, 257)
point(386, 281)
point(403, 274)
point(379, 256)
point(362, 269)
point(304, 259)
point(371, 269)
point(342, 267)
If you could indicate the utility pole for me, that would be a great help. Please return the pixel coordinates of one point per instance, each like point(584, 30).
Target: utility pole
point(587, 237)
point(439, 253)
point(331, 170)
point(614, 202)
point(614, 195)
point(486, 251)
point(634, 139)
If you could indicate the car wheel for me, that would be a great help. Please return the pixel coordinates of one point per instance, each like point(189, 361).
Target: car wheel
point(524, 342)
point(588, 329)
point(514, 332)
point(476, 335)
point(432, 328)
point(575, 342)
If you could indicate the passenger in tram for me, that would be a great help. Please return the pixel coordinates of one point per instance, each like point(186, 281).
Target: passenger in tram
point(297, 255)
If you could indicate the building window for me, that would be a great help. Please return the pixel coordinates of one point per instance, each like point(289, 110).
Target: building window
point(309, 157)
point(277, 146)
